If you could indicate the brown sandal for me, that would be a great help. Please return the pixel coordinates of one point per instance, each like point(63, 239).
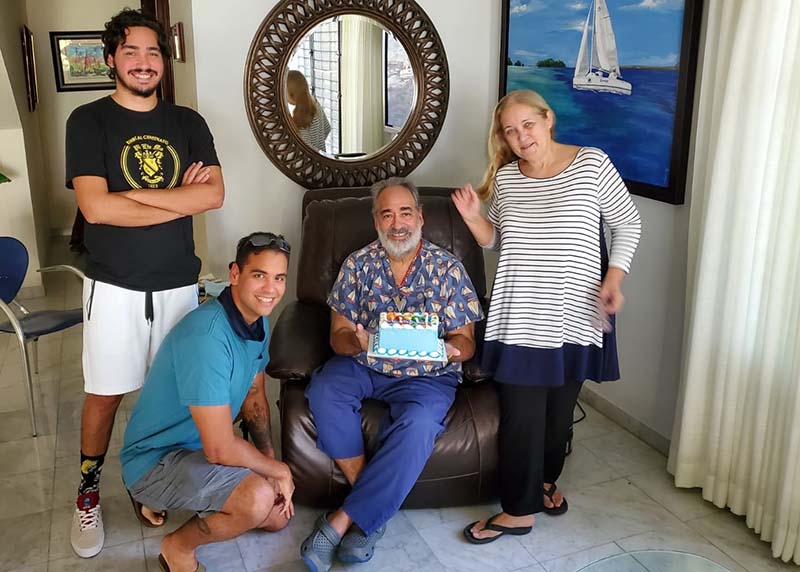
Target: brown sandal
point(162, 563)
point(137, 509)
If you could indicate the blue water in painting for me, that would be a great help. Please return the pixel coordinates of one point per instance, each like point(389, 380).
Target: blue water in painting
point(635, 130)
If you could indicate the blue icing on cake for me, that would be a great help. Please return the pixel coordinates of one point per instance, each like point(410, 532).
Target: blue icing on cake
point(413, 335)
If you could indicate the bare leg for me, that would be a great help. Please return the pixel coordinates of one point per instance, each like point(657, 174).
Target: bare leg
point(97, 424)
point(352, 467)
point(249, 506)
point(97, 421)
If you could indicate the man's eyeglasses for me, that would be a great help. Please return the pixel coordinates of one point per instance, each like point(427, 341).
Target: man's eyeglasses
point(267, 240)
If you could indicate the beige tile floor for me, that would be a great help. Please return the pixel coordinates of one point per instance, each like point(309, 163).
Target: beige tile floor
point(620, 495)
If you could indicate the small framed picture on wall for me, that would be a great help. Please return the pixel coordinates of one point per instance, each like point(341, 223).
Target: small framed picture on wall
point(78, 61)
point(29, 63)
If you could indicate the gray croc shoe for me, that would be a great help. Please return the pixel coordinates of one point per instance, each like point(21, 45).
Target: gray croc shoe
point(318, 549)
point(357, 546)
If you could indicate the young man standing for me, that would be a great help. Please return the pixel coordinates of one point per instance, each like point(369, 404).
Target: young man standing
point(180, 449)
point(140, 168)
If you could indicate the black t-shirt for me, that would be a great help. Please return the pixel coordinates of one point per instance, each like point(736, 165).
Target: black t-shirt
point(135, 150)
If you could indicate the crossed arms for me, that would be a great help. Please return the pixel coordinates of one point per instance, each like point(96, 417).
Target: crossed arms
point(222, 447)
point(202, 189)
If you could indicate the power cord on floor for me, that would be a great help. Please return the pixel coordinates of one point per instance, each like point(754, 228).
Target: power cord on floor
point(571, 427)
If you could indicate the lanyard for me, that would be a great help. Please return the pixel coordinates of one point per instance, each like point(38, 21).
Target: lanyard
point(410, 266)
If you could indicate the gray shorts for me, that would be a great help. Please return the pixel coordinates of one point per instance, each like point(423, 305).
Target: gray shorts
point(185, 480)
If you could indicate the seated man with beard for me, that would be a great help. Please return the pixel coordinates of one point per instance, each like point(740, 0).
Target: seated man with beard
point(399, 272)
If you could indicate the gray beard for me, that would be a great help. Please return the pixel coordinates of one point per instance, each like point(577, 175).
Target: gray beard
point(397, 249)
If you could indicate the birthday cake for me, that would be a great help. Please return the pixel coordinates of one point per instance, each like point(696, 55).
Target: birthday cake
point(409, 335)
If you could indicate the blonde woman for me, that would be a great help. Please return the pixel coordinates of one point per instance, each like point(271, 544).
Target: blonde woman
point(308, 116)
point(554, 296)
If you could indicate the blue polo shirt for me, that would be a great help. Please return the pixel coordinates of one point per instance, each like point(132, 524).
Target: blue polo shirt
point(209, 358)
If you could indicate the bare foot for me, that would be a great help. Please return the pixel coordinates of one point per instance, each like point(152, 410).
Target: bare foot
point(558, 498)
point(177, 559)
point(478, 531)
point(157, 518)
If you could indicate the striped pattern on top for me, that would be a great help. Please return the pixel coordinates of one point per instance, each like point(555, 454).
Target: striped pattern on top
point(316, 133)
point(548, 276)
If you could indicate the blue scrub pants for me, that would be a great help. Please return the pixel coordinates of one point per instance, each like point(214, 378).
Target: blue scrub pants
point(417, 407)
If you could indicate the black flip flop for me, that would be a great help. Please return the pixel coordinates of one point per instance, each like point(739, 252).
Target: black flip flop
point(162, 563)
point(137, 509)
point(555, 510)
point(503, 530)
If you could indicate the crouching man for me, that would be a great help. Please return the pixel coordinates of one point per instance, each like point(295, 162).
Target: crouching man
point(180, 451)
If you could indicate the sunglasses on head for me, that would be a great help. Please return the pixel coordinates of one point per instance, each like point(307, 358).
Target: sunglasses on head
point(268, 240)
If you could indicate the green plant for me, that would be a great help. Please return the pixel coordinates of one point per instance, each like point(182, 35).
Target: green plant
point(4, 179)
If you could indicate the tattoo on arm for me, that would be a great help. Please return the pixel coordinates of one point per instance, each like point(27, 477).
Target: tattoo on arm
point(255, 416)
point(256, 419)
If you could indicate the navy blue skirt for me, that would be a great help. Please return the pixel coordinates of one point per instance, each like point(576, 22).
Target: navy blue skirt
point(552, 367)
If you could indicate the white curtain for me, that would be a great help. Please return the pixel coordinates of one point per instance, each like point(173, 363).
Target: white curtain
point(737, 428)
point(362, 85)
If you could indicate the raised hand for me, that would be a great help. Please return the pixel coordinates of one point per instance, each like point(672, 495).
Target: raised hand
point(467, 203)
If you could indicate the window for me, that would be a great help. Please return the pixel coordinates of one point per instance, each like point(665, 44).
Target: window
point(398, 82)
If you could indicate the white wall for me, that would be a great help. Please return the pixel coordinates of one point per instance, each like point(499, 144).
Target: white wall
point(186, 94)
point(650, 327)
point(260, 197)
point(45, 16)
point(24, 214)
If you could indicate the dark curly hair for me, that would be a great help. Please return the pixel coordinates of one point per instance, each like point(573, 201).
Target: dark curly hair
point(115, 33)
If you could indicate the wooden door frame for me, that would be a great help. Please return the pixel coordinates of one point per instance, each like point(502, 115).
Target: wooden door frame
point(160, 10)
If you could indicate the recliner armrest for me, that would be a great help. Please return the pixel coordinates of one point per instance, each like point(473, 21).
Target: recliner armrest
point(300, 341)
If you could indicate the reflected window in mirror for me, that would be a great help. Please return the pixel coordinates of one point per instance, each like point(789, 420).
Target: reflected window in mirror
point(398, 82)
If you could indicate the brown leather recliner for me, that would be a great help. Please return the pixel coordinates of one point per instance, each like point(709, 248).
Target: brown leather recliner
point(463, 466)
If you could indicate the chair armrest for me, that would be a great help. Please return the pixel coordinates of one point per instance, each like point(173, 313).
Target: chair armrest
point(300, 341)
point(13, 320)
point(64, 267)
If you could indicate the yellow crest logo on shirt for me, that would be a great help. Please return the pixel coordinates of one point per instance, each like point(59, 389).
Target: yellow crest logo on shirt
point(150, 158)
point(149, 161)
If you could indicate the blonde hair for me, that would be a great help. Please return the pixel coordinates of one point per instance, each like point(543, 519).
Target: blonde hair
point(500, 154)
point(305, 107)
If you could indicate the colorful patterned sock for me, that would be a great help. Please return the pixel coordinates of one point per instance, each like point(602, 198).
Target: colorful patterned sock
point(89, 489)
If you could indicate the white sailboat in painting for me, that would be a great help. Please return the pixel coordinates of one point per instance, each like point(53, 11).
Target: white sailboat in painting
point(597, 67)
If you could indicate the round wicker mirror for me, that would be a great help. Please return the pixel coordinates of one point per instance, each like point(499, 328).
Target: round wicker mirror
point(266, 99)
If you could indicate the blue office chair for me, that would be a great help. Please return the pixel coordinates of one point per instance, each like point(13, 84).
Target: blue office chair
point(29, 326)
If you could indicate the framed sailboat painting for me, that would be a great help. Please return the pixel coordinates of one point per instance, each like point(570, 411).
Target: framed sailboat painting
point(619, 75)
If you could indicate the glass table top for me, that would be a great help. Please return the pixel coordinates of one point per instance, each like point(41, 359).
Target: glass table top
point(654, 561)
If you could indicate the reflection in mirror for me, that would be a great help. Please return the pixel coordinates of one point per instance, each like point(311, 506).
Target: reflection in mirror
point(350, 87)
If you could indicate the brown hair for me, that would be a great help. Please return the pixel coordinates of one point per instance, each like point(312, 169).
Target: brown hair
point(500, 154)
point(305, 108)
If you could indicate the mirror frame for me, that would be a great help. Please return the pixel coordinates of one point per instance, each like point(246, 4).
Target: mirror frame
point(267, 107)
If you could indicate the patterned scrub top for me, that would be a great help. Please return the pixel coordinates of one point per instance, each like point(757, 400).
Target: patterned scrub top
point(436, 282)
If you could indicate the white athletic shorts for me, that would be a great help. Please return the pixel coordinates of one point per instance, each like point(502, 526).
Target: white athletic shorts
point(119, 342)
